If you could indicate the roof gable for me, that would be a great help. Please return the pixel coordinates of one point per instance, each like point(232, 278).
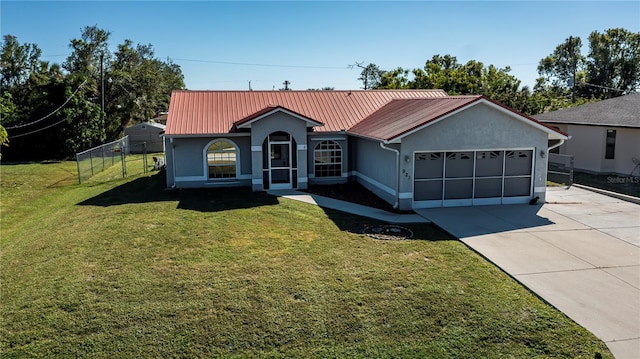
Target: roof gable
point(623, 111)
point(268, 111)
point(401, 118)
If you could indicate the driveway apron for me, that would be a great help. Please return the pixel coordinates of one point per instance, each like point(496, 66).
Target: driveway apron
point(580, 252)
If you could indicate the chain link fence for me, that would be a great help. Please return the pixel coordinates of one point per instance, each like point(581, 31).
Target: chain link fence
point(119, 158)
point(100, 158)
point(560, 169)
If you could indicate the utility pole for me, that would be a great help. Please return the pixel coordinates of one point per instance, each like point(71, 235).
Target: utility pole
point(102, 85)
point(574, 64)
point(366, 75)
point(286, 85)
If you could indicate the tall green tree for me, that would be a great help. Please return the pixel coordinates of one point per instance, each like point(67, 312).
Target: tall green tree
point(28, 96)
point(370, 76)
point(613, 65)
point(559, 70)
point(86, 67)
point(17, 62)
point(139, 85)
point(54, 111)
point(394, 79)
point(473, 78)
point(86, 52)
point(611, 68)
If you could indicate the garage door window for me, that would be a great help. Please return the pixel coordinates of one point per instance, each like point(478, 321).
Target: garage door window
point(458, 175)
point(472, 177)
point(428, 168)
point(488, 176)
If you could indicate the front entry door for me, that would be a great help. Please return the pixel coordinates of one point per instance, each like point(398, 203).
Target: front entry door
point(280, 165)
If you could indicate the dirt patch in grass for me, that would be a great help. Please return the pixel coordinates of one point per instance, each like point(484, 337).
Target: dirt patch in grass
point(387, 232)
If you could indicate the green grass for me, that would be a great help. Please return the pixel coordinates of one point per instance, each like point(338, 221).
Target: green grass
point(121, 268)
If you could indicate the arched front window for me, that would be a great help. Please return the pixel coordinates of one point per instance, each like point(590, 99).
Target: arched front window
point(222, 159)
point(328, 159)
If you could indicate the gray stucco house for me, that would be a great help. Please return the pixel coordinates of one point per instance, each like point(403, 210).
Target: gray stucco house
point(605, 135)
point(413, 148)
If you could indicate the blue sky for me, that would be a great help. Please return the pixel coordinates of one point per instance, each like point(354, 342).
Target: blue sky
point(311, 44)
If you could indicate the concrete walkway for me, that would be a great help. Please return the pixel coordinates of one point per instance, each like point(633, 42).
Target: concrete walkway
point(580, 252)
point(349, 207)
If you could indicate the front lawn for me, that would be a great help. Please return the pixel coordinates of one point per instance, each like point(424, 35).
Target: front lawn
point(121, 268)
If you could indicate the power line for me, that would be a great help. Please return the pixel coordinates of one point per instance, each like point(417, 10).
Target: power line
point(35, 131)
point(52, 125)
point(263, 65)
point(602, 87)
point(52, 113)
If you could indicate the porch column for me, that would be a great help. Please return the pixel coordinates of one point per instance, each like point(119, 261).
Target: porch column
point(303, 172)
point(256, 168)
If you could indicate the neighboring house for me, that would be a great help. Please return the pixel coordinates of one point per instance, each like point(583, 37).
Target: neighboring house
point(605, 135)
point(413, 148)
point(145, 136)
point(161, 118)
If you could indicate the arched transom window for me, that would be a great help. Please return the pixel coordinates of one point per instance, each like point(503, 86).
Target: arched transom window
point(328, 159)
point(222, 159)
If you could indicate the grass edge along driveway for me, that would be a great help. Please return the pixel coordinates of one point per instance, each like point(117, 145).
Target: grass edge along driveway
point(123, 268)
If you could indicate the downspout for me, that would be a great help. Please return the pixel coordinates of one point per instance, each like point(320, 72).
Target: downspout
point(397, 152)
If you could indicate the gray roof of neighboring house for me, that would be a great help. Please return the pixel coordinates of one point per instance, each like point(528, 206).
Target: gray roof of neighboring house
point(149, 123)
point(623, 111)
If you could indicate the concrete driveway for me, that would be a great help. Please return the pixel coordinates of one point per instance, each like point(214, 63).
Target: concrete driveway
point(580, 252)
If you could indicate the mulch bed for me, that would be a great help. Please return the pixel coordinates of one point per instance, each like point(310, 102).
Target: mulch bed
point(355, 193)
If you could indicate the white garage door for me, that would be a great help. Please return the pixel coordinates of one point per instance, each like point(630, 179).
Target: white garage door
point(467, 178)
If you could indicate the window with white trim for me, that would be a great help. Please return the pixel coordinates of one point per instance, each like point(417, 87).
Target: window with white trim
point(327, 158)
point(221, 159)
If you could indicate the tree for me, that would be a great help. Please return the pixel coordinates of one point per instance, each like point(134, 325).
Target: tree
point(86, 52)
point(370, 76)
point(472, 78)
point(558, 71)
point(325, 88)
point(17, 61)
point(394, 79)
point(54, 111)
point(139, 85)
point(613, 65)
point(85, 65)
point(4, 139)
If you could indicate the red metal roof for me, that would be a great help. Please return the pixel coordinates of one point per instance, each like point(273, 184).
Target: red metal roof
point(215, 112)
point(401, 116)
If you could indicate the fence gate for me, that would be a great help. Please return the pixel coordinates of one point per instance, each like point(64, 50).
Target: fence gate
point(560, 169)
